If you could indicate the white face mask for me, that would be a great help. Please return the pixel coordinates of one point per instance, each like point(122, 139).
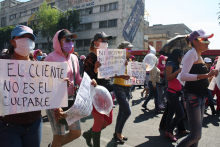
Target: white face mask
point(103, 45)
point(24, 46)
point(163, 62)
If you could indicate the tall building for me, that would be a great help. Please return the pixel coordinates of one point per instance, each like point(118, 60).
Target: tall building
point(122, 19)
point(157, 35)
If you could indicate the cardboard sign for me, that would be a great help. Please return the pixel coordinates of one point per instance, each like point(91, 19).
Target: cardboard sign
point(32, 85)
point(136, 72)
point(83, 104)
point(113, 62)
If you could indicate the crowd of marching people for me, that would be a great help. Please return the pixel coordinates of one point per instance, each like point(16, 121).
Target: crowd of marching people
point(178, 83)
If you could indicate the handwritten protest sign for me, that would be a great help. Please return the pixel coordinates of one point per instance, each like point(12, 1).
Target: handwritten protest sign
point(136, 72)
point(32, 85)
point(113, 62)
point(83, 104)
point(215, 80)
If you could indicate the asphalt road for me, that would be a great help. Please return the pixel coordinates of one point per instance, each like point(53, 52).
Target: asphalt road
point(142, 128)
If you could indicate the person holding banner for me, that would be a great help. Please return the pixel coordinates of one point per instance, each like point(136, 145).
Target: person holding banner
point(91, 66)
point(122, 94)
point(23, 129)
point(63, 45)
point(196, 75)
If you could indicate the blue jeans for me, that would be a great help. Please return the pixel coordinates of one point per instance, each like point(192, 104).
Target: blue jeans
point(122, 94)
point(195, 107)
point(152, 93)
point(176, 107)
point(15, 135)
point(210, 97)
point(161, 92)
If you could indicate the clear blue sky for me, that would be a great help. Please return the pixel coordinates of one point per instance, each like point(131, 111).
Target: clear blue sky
point(196, 14)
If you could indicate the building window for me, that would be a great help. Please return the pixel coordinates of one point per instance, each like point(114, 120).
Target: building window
point(112, 23)
point(34, 10)
point(36, 46)
point(79, 43)
point(33, 22)
point(88, 11)
point(82, 12)
point(23, 23)
point(103, 24)
point(87, 42)
point(186, 31)
point(104, 8)
point(12, 16)
point(23, 13)
point(52, 5)
point(3, 21)
point(44, 45)
point(87, 26)
point(112, 41)
point(113, 6)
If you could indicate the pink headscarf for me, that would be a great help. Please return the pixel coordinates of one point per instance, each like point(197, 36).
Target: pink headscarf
point(82, 57)
point(35, 53)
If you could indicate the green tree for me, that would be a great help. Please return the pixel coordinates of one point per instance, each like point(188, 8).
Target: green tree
point(5, 36)
point(69, 20)
point(48, 19)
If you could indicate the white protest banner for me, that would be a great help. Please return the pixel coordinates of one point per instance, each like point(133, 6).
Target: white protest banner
point(32, 85)
point(136, 72)
point(214, 79)
point(83, 104)
point(113, 62)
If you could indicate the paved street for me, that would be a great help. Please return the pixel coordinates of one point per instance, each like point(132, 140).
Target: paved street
point(141, 128)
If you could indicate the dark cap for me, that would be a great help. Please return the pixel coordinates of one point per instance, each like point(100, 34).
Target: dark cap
point(66, 33)
point(101, 35)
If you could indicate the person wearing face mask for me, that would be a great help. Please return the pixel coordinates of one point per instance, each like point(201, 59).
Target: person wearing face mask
point(160, 87)
point(63, 46)
point(23, 129)
point(91, 66)
point(37, 52)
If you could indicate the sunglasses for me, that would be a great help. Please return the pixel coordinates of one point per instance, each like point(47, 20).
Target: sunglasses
point(103, 41)
point(204, 40)
point(67, 40)
point(128, 49)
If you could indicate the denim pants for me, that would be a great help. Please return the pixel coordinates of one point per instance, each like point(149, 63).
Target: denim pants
point(195, 107)
point(15, 135)
point(210, 97)
point(163, 122)
point(175, 107)
point(152, 93)
point(161, 92)
point(122, 94)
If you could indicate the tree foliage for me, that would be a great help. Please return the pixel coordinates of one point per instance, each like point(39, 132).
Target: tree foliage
point(51, 20)
point(69, 20)
point(48, 19)
point(5, 36)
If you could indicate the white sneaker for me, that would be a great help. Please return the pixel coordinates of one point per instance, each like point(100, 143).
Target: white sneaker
point(165, 100)
point(161, 106)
